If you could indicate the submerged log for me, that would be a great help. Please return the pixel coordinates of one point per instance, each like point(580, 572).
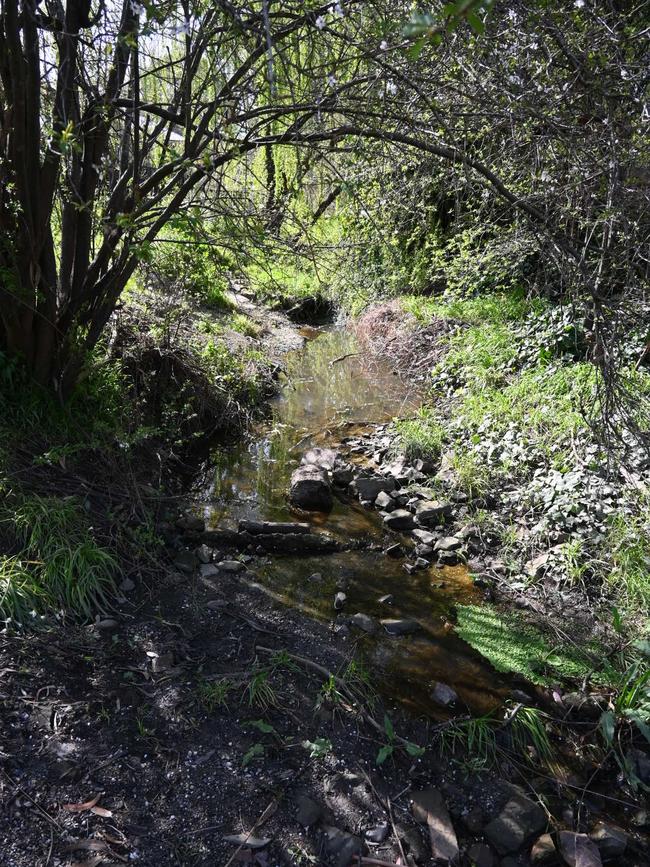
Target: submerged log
point(263, 528)
point(280, 543)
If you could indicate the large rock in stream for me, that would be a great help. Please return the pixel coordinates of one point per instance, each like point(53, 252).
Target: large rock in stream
point(310, 489)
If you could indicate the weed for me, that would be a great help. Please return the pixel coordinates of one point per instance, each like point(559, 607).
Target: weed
point(257, 751)
point(214, 694)
point(627, 539)
point(528, 730)
point(475, 737)
point(318, 748)
point(67, 568)
point(244, 325)
point(420, 437)
point(259, 691)
point(389, 748)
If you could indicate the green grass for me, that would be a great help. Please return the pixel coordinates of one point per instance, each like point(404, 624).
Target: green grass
point(513, 646)
point(422, 436)
point(59, 564)
point(244, 325)
point(628, 540)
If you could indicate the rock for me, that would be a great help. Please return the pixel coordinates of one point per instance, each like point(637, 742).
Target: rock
point(480, 855)
point(316, 577)
point(543, 851)
point(400, 627)
point(415, 845)
point(264, 528)
point(310, 490)
point(448, 543)
point(209, 570)
point(611, 841)
point(518, 822)
point(400, 520)
point(127, 585)
point(388, 599)
point(231, 566)
point(203, 554)
point(185, 561)
point(309, 812)
point(339, 601)
point(324, 459)
point(364, 622)
point(394, 550)
point(378, 834)
point(421, 563)
point(428, 806)
point(369, 488)
point(448, 558)
point(430, 513)
point(340, 846)
point(578, 850)
point(191, 524)
point(474, 820)
point(443, 694)
point(384, 501)
point(342, 475)
point(424, 537)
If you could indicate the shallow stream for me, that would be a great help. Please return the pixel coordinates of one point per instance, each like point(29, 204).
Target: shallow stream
point(332, 392)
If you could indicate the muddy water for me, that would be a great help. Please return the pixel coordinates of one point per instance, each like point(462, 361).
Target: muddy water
point(330, 393)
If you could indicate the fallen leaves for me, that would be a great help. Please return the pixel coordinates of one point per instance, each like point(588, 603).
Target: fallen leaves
point(90, 805)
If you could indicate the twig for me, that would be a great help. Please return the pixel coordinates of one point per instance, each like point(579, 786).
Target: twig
point(32, 801)
point(397, 836)
point(343, 357)
point(364, 859)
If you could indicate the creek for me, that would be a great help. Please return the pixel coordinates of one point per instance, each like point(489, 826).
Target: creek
point(331, 393)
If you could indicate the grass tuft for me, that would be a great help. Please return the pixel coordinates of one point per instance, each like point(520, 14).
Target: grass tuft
point(60, 565)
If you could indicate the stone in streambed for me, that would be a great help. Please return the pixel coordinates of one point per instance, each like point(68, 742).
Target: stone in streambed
point(400, 520)
point(543, 851)
point(324, 459)
point(310, 490)
point(365, 622)
point(424, 537)
point(400, 627)
point(339, 601)
point(369, 488)
point(384, 501)
point(430, 513)
point(309, 812)
point(443, 694)
point(231, 566)
point(191, 524)
point(448, 543)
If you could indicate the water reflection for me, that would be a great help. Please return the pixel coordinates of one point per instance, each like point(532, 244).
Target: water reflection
point(332, 393)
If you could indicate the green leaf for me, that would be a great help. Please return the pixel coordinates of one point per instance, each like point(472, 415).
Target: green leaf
point(637, 718)
point(318, 748)
point(607, 724)
point(414, 750)
point(388, 728)
point(260, 725)
point(383, 754)
point(255, 752)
